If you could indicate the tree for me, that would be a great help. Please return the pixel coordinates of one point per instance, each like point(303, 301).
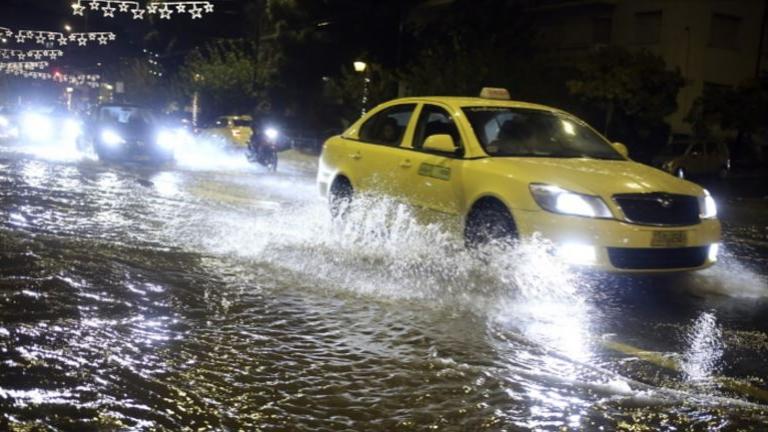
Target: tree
point(344, 93)
point(141, 84)
point(226, 74)
point(743, 109)
point(635, 84)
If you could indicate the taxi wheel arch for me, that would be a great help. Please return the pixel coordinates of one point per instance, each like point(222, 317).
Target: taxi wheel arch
point(340, 195)
point(488, 220)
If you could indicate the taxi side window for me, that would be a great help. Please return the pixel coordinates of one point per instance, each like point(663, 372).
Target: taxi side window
point(434, 120)
point(388, 126)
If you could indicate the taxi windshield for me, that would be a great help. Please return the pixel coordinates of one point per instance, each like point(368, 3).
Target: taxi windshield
point(534, 133)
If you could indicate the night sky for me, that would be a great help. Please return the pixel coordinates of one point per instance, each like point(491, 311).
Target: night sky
point(170, 38)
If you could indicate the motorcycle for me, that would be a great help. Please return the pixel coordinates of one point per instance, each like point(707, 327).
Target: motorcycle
point(263, 147)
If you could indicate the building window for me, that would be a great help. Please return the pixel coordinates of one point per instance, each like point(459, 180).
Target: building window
point(601, 30)
point(724, 32)
point(648, 27)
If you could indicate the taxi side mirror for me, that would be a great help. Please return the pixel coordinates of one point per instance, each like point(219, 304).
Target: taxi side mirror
point(442, 143)
point(621, 148)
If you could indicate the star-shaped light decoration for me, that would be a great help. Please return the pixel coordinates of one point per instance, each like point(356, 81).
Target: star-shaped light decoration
point(77, 8)
point(108, 10)
point(73, 37)
point(63, 40)
point(92, 36)
point(124, 7)
point(165, 12)
point(111, 36)
point(152, 8)
point(20, 38)
point(181, 8)
point(196, 12)
point(94, 4)
point(138, 13)
point(21, 56)
point(40, 39)
point(52, 36)
point(82, 40)
point(208, 7)
point(103, 39)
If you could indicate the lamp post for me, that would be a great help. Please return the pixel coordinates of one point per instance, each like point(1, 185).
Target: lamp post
point(361, 67)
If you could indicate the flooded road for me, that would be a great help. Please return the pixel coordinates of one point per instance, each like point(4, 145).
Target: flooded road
point(214, 296)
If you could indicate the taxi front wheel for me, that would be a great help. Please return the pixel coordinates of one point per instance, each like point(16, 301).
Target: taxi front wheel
point(340, 197)
point(489, 221)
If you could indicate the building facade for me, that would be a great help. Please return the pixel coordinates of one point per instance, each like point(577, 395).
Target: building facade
point(712, 42)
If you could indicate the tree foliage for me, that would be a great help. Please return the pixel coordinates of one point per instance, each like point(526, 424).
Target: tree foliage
point(226, 74)
point(635, 84)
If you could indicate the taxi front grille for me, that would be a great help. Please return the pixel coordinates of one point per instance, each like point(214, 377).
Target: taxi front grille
point(658, 259)
point(660, 209)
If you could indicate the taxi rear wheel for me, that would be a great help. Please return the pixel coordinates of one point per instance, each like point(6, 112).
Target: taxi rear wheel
point(340, 197)
point(489, 221)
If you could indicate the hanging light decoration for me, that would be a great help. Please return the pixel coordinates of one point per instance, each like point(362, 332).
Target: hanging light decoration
point(8, 54)
point(165, 10)
point(24, 66)
point(81, 80)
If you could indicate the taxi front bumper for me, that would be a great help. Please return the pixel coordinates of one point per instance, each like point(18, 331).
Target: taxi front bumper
point(618, 246)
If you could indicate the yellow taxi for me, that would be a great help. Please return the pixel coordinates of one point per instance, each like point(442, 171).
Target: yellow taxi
point(508, 170)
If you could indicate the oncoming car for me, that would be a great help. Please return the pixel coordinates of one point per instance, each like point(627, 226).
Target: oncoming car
point(508, 170)
point(234, 130)
point(124, 132)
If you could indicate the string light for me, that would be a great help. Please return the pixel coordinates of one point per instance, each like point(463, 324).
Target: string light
point(7, 66)
point(7, 54)
point(165, 9)
point(81, 80)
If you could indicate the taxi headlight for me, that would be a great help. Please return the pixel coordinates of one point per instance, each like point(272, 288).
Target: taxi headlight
point(558, 200)
point(111, 138)
point(707, 206)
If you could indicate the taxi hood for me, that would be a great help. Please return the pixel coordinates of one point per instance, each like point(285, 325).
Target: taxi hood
point(593, 176)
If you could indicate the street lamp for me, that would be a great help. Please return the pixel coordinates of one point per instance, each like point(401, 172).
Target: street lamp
point(361, 67)
point(67, 27)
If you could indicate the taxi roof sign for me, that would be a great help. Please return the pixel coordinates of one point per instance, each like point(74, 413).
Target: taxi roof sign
point(495, 93)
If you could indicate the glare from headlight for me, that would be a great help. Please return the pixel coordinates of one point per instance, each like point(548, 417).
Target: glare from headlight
point(4, 122)
point(558, 200)
point(166, 139)
point(271, 133)
point(72, 128)
point(37, 127)
point(111, 138)
point(707, 206)
point(577, 254)
point(714, 249)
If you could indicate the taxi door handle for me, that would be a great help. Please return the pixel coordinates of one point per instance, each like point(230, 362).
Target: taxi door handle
point(406, 163)
point(355, 156)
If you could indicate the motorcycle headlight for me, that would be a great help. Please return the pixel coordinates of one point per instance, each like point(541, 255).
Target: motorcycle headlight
point(707, 206)
point(111, 138)
point(271, 133)
point(558, 200)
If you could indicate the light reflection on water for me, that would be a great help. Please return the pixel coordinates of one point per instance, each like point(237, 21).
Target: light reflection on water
point(206, 308)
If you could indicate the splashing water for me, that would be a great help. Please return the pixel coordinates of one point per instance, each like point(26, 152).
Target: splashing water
point(705, 349)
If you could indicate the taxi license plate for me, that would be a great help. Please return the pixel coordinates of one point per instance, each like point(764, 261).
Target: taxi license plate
point(669, 239)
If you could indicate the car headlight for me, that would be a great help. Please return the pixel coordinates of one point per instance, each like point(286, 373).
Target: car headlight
point(4, 122)
point(558, 200)
point(37, 126)
point(167, 139)
point(707, 206)
point(111, 138)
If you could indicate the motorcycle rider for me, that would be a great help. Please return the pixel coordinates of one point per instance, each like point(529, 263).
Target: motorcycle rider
point(264, 143)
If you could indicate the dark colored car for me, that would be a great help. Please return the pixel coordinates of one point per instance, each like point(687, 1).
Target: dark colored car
point(124, 132)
